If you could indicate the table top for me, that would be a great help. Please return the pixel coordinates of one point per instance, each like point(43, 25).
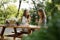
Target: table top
point(20, 26)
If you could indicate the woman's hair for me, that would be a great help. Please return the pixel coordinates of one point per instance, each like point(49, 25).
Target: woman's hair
point(42, 13)
point(24, 14)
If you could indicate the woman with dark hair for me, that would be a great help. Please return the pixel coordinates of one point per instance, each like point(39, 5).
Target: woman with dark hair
point(42, 19)
point(25, 17)
point(25, 21)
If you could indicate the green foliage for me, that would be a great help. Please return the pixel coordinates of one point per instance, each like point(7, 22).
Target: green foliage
point(11, 11)
point(49, 6)
point(56, 1)
point(20, 14)
point(54, 27)
point(50, 10)
point(3, 13)
point(1, 16)
point(33, 19)
point(38, 35)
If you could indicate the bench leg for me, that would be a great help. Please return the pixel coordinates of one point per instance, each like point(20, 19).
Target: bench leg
point(15, 30)
point(14, 38)
point(2, 32)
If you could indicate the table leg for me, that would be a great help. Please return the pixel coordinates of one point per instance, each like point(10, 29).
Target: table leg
point(14, 38)
point(15, 30)
point(2, 32)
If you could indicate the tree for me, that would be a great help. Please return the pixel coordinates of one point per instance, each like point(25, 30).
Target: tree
point(19, 7)
point(3, 10)
point(11, 11)
point(2, 2)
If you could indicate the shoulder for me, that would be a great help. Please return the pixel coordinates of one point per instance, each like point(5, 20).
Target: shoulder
point(23, 17)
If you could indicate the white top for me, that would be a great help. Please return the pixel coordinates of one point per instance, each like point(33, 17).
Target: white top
point(24, 21)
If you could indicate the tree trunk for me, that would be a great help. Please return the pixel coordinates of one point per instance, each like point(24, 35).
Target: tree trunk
point(19, 7)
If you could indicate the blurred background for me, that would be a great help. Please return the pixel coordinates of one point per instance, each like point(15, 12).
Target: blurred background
point(15, 8)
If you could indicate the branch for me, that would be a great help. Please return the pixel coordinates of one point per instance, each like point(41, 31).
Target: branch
point(34, 4)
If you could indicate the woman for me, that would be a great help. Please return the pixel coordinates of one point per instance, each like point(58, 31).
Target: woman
point(42, 17)
point(25, 21)
point(26, 18)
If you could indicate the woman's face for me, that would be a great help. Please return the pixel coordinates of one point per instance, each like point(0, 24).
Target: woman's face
point(27, 12)
point(39, 13)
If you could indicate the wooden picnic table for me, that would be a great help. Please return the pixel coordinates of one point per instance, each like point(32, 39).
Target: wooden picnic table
point(15, 26)
point(21, 26)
